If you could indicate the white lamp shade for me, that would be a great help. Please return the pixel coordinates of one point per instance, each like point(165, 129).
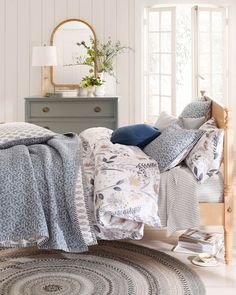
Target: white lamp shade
point(44, 56)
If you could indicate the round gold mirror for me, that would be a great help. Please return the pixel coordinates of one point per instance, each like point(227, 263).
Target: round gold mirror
point(71, 66)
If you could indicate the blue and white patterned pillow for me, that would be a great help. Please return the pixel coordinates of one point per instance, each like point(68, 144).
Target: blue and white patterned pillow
point(22, 133)
point(197, 109)
point(172, 146)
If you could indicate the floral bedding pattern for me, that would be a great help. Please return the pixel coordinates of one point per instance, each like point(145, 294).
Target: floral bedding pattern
point(205, 158)
point(123, 184)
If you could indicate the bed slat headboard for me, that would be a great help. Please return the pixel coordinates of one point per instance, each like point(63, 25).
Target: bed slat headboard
point(219, 113)
point(222, 116)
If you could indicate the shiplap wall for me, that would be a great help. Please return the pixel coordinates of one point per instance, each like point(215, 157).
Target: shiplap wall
point(25, 23)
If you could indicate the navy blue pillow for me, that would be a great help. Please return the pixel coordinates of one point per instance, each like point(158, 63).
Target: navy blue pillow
point(137, 135)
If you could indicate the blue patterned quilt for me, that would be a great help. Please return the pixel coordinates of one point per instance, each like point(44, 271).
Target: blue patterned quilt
point(37, 196)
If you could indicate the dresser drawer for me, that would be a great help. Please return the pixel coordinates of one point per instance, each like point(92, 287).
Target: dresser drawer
point(74, 126)
point(71, 109)
point(72, 114)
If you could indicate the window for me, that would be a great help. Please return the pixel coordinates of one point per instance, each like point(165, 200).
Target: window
point(159, 68)
point(184, 52)
point(210, 59)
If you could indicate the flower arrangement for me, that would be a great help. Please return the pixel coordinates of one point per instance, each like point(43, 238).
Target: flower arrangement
point(89, 81)
point(101, 56)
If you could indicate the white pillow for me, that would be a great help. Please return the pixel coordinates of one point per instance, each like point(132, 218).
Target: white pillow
point(164, 120)
point(205, 158)
point(191, 123)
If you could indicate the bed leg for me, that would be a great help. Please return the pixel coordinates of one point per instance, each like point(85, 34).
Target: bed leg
point(228, 236)
point(228, 224)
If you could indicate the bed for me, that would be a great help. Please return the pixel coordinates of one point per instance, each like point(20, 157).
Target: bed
point(217, 210)
point(113, 194)
point(222, 214)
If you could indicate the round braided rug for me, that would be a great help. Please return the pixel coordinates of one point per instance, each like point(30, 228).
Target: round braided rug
point(108, 268)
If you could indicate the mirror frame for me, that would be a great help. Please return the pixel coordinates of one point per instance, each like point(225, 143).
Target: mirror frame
point(51, 43)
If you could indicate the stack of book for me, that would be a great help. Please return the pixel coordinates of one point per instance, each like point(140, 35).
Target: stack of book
point(199, 241)
point(64, 93)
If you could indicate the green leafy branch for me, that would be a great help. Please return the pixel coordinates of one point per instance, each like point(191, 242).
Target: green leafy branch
point(101, 56)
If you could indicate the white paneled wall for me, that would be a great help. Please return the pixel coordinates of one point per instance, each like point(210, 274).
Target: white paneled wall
point(26, 23)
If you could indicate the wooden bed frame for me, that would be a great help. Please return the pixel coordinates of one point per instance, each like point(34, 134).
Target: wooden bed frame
point(222, 213)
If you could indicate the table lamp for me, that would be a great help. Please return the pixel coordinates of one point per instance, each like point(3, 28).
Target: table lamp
point(44, 56)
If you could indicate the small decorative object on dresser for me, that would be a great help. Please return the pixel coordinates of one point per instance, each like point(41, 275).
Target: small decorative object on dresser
point(72, 114)
point(91, 82)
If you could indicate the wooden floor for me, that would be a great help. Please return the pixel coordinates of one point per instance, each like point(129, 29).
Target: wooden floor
point(219, 280)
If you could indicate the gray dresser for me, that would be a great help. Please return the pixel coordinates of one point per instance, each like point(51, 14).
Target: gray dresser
point(72, 114)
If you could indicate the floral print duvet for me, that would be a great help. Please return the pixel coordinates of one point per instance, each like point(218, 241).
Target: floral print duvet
point(123, 184)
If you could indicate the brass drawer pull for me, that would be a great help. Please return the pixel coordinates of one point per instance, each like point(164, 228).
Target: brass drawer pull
point(97, 109)
point(45, 109)
point(229, 210)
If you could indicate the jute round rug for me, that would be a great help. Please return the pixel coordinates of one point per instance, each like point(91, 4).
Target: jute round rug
point(109, 268)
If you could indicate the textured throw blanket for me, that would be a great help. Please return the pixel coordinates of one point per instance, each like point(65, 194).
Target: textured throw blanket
point(178, 201)
point(37, 196)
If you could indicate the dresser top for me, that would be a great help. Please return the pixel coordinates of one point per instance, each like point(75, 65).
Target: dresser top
point(70, 98)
